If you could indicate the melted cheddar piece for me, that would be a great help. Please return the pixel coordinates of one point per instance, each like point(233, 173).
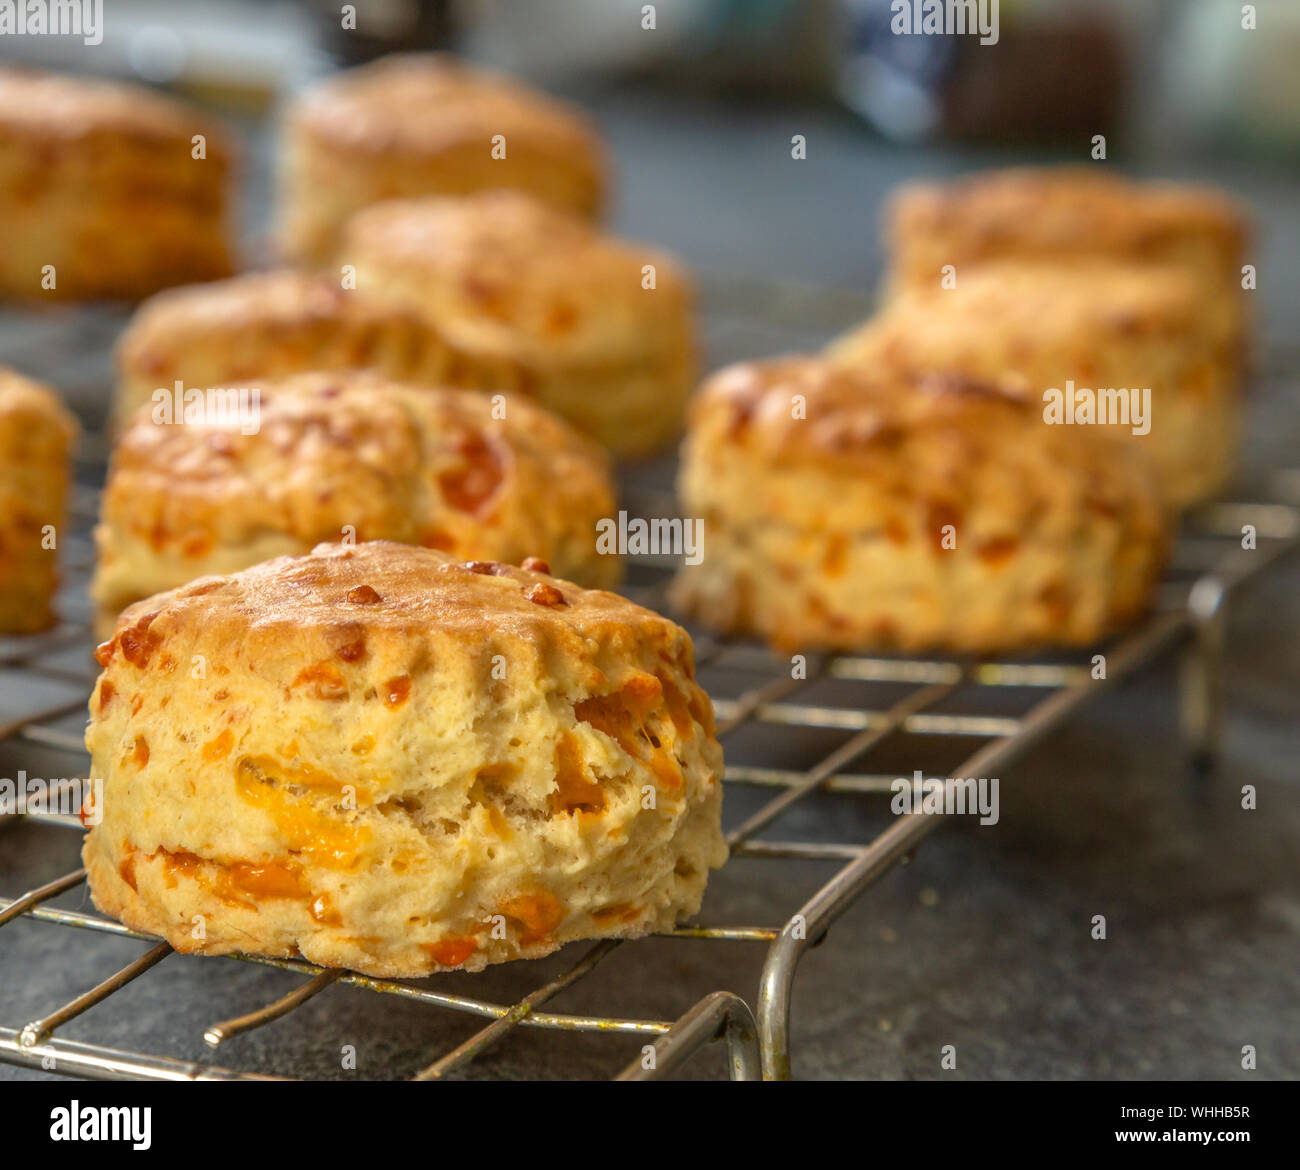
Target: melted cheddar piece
point(240, 883)
point(396, 691)
point(835, 560)
point(317, 832)
point(323, 911)
point(451, 951)
point(537, 913)
point(622, 715)
point(178, 864)
point(472, 484)
point(574, 790)
point(126, 870)
point(619, 912)
point(679, 710)
point(218, 748)
point(269, 880)
point(322, 681)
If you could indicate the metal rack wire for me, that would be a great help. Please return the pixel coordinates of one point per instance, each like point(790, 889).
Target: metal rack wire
point(930, 700)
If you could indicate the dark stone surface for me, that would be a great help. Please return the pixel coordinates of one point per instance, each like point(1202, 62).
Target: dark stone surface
point(984, 941)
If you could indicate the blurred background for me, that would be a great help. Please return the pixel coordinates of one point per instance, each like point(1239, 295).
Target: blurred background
point(701, 98)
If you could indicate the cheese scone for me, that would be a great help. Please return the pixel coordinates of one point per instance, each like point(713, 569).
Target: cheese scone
point(604, 327)
point(107, 190)
point(229, 333)
point(424, 124)
point(382, 758)
point(848, 510)
point(1072, 213)
point(36, 438)
point(349, 455)
point(1085, 331)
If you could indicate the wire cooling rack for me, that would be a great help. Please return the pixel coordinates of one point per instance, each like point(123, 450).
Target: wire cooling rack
point(931, 712)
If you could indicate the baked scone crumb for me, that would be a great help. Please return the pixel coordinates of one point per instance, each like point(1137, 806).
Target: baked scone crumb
point(416, 124)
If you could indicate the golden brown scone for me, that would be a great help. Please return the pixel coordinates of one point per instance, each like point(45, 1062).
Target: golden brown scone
point(1102, 325)
point(505, 278)
point(830, 497)
point(1071, 213)
point(347, 455)
point(36, 438)
point(424, 124)
point(229, 333)
point(98, 179)
point(398, 763)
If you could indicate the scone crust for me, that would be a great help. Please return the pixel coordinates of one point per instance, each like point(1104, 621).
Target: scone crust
point(98, 180)
point(1063, 214)
point(826, 492)
point(348, 455)
point(36, 438)
point(604, 326)
point(1054, 212)
point(286, 321)
point(399, 763)
point(1033, 325)
point(424, 124)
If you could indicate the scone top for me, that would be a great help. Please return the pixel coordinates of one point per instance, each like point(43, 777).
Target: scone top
point(53, 107)
point(392, 459)
point(499, 270)
point(357, 605)
point(1079, 210)
point(845, 442)
point(1071, 316)
point(423, 103)
point(180, 316)
point(807, 407)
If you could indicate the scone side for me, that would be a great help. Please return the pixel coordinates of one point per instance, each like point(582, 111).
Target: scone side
point(37, 435)
point(820, 534)
point(76, 196)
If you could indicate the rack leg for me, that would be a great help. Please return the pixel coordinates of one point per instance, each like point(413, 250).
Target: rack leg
point(720, 1015)
point(774, 1006)
point(813, 920)
point(1201, 689)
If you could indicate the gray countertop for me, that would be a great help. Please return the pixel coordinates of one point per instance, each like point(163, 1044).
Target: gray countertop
point(983, 942)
